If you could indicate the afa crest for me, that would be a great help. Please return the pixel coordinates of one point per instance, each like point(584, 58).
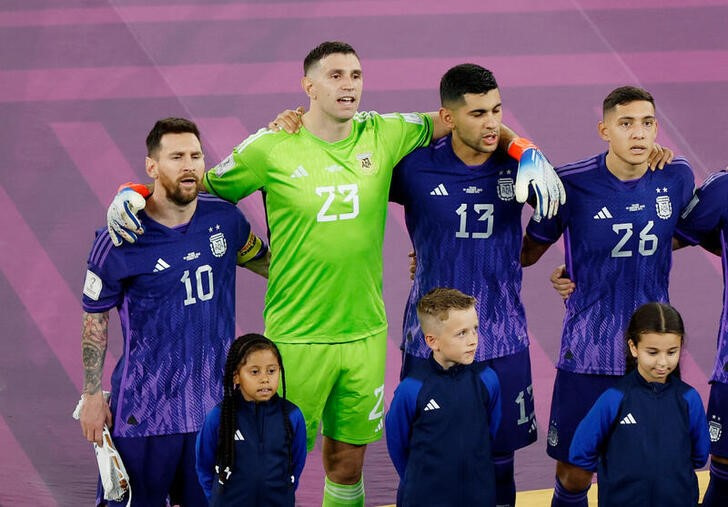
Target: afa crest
point(715, 430)
point(218, 244)
point(663, 206)
point(505, 189)
point(553, 435)
point(366, 163)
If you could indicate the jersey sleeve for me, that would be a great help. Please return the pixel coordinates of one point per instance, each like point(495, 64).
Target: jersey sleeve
point(706, 210)
point(299, 443)
point(398, 423)
point(593, 430)
point(698, 428)
point(490, 379)
point(102, 287)
point(243, 171)
point(546, 230)
point(405, 131)
point(397, 191)
point(688, 181)
point(206, 451)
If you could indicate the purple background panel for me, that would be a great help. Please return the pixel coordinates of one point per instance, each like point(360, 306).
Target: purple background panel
point(82, 81)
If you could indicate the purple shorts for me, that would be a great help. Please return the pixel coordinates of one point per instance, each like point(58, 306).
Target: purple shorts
point(574, 395)
point(159, 467)
point(717, 417)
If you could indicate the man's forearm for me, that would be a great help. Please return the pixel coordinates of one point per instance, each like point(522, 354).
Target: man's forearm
point(94, 340)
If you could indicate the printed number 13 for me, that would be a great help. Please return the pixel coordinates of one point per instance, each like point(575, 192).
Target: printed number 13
point(485, 214)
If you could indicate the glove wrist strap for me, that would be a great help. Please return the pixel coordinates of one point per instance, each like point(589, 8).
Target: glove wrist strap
point(139, 188)
point(518, 146)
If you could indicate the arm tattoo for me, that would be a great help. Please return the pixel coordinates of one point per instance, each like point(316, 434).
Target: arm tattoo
point(94, 339)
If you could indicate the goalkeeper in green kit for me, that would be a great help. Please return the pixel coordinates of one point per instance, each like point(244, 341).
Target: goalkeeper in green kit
point(326, 189)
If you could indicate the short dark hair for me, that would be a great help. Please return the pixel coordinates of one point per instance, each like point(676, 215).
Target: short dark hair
point(653, 317)
point(439, 301)
point(465, 78)
point(625, 95)
point(325, 49)
point(169, 126)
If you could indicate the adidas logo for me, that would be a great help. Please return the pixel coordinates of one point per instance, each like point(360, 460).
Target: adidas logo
point(603, 213)
point(300, 172)
point(439, 190)
point(238, 435)
point(161, 265)
point(628, 419)
point(431, 405)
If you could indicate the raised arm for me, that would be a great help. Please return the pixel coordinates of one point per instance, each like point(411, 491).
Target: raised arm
point(95, 410)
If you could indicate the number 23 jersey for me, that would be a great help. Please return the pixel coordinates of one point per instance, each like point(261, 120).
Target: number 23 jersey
point(326, 206)
point(618, 251)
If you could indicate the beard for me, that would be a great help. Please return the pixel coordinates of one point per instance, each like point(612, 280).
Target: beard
point(177, 194)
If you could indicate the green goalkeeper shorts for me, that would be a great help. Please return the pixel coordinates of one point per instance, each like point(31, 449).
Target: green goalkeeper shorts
point(340, 385)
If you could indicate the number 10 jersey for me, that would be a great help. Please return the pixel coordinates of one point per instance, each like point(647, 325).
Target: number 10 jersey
point(175, 292)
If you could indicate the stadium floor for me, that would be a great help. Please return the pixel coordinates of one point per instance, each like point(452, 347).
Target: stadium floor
point(541, 497)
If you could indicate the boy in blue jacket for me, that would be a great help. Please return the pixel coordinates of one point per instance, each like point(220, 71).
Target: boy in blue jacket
point(444, 414)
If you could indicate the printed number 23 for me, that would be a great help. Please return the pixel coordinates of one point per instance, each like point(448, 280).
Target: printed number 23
point(350, 194)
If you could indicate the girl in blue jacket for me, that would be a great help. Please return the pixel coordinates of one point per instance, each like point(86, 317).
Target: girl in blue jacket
point(252, 447)
point(646, 435)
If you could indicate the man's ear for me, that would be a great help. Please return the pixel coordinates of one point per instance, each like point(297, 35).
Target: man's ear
point(602, 131)
point(446, 116)
point(151, 167)
point(307, 85)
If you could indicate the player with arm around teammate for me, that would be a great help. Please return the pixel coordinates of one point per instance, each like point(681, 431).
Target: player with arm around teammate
point(176, 301)
point(617, 225)
point(465, 225)
point(326, 192)
point(705, 222)
point(443, 417)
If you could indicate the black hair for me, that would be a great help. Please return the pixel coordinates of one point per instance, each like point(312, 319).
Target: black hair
point(462, 79)
point(239, 351)
point(325, 49)
point(653, 318)
point(624, 95)
point(169, 126)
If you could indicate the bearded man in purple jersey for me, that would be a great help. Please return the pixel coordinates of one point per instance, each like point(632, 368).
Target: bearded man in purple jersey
point(175, 293)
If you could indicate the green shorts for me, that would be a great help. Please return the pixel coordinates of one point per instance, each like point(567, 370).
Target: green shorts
point(340, 385)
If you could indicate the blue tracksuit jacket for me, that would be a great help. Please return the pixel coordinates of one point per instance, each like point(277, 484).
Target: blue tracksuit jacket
point(261, 475)
point(439, 430)
point(644, 439)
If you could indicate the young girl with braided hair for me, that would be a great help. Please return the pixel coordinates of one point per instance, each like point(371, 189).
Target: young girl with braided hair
point(252, 447)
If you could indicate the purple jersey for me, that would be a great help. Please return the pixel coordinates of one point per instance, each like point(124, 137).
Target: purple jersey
point(465, 225)
point(706, 219)
point(618, 242)
point(175, 293)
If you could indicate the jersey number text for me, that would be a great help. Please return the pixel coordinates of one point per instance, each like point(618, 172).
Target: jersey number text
point(350, 194)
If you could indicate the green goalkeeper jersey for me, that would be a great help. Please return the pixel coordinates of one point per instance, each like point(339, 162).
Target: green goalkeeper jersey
point(326, 205)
